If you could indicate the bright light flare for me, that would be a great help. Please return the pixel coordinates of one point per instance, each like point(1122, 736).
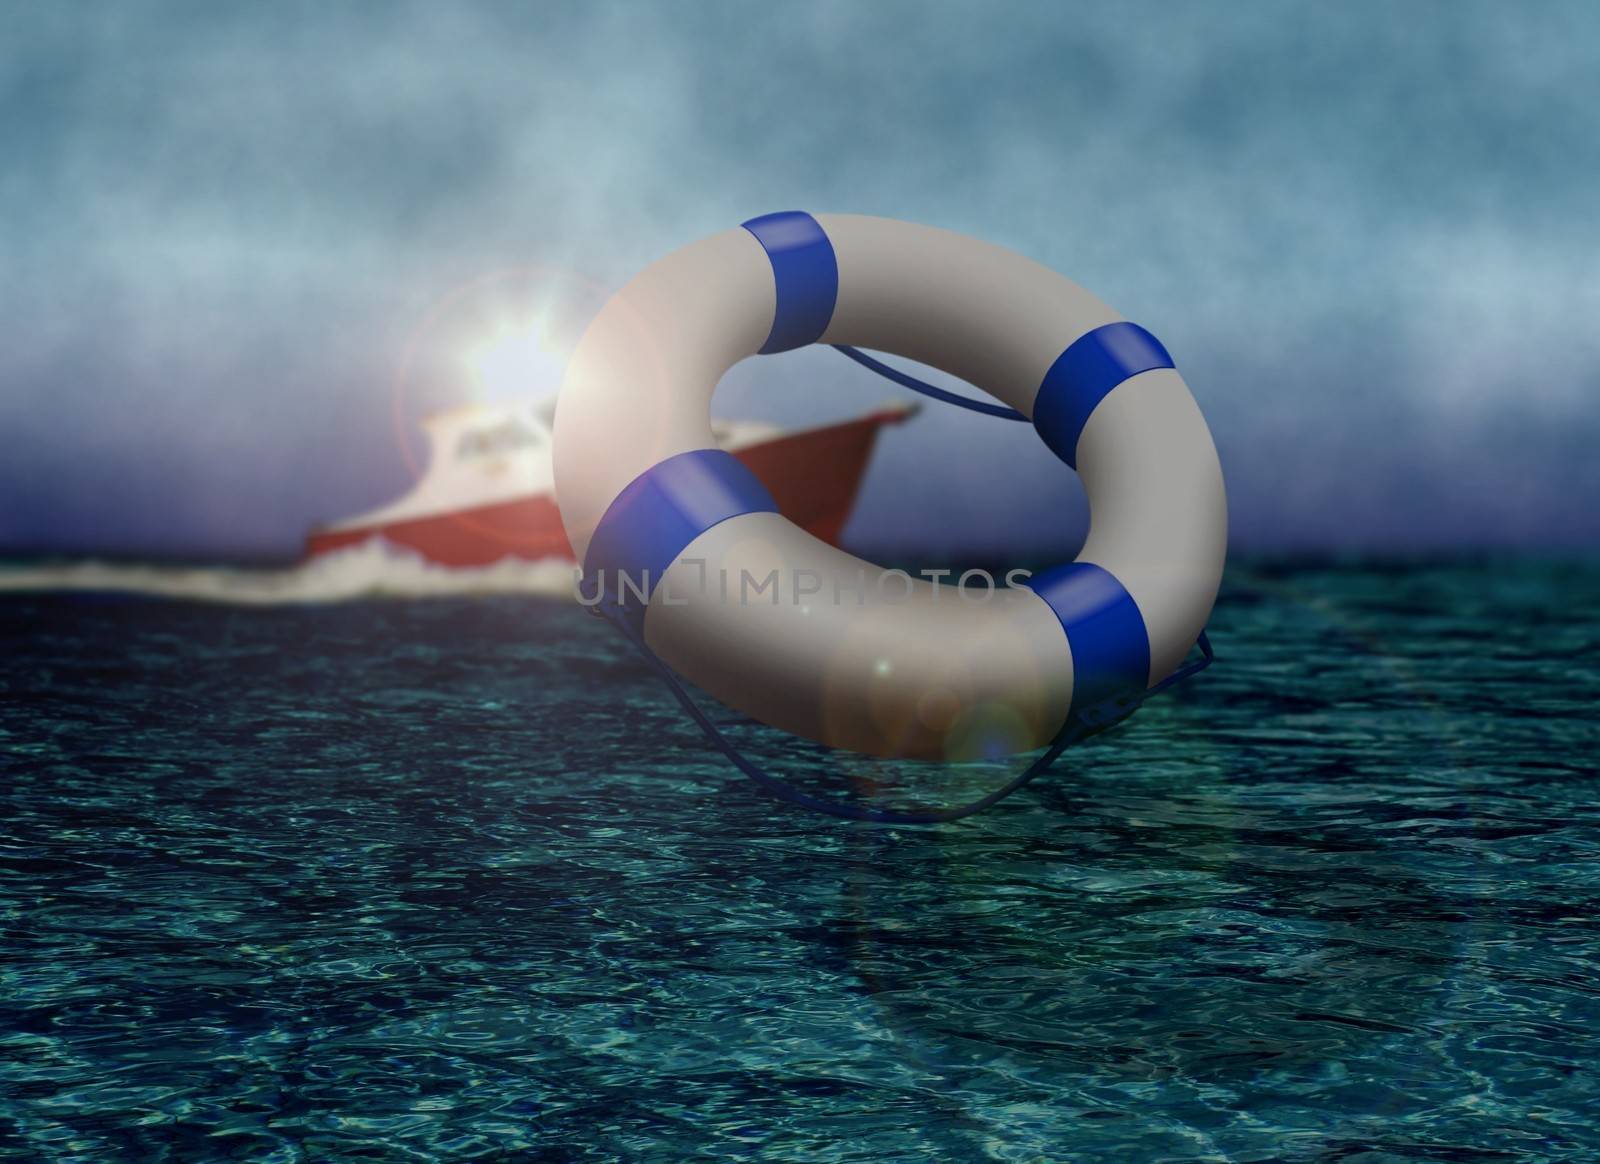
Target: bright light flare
point(514, 361)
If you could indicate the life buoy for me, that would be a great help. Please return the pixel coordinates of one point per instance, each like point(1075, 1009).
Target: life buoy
point(810, 639)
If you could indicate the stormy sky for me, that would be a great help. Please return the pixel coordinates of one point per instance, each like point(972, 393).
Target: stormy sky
point(1367, 232)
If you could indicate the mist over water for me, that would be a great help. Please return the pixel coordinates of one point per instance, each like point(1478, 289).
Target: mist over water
point(370, 569)
point(1364, 233)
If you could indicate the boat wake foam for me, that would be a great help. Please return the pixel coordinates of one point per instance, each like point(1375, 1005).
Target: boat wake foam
point(372, 569)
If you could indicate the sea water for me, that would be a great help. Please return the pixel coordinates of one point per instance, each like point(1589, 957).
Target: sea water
point(453, 878)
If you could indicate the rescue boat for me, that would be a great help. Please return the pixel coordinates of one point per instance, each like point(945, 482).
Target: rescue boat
point(487, 490)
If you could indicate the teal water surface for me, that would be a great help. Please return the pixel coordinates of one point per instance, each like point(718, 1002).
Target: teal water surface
point(454, 879)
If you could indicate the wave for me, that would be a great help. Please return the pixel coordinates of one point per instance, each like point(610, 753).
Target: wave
point(372, 569)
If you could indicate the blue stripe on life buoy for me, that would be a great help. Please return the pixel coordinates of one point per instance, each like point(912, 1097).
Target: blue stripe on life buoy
point(806, 273)
point(1084, 374)
point(655, 518)
point(1105, 631)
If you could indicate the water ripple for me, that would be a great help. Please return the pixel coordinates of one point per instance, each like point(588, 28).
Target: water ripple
point(452, 879)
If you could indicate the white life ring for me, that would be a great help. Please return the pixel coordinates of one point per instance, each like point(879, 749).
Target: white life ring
point(845, 652)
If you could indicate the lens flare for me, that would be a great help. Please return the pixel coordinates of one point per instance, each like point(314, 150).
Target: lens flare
point(514, 361)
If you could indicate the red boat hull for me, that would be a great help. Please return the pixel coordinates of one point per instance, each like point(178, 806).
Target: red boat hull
point(813, 476)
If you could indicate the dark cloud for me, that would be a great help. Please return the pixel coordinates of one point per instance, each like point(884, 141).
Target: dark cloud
point(1366, 231)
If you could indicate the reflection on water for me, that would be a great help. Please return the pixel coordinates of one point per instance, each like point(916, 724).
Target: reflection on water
point(454, 879)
